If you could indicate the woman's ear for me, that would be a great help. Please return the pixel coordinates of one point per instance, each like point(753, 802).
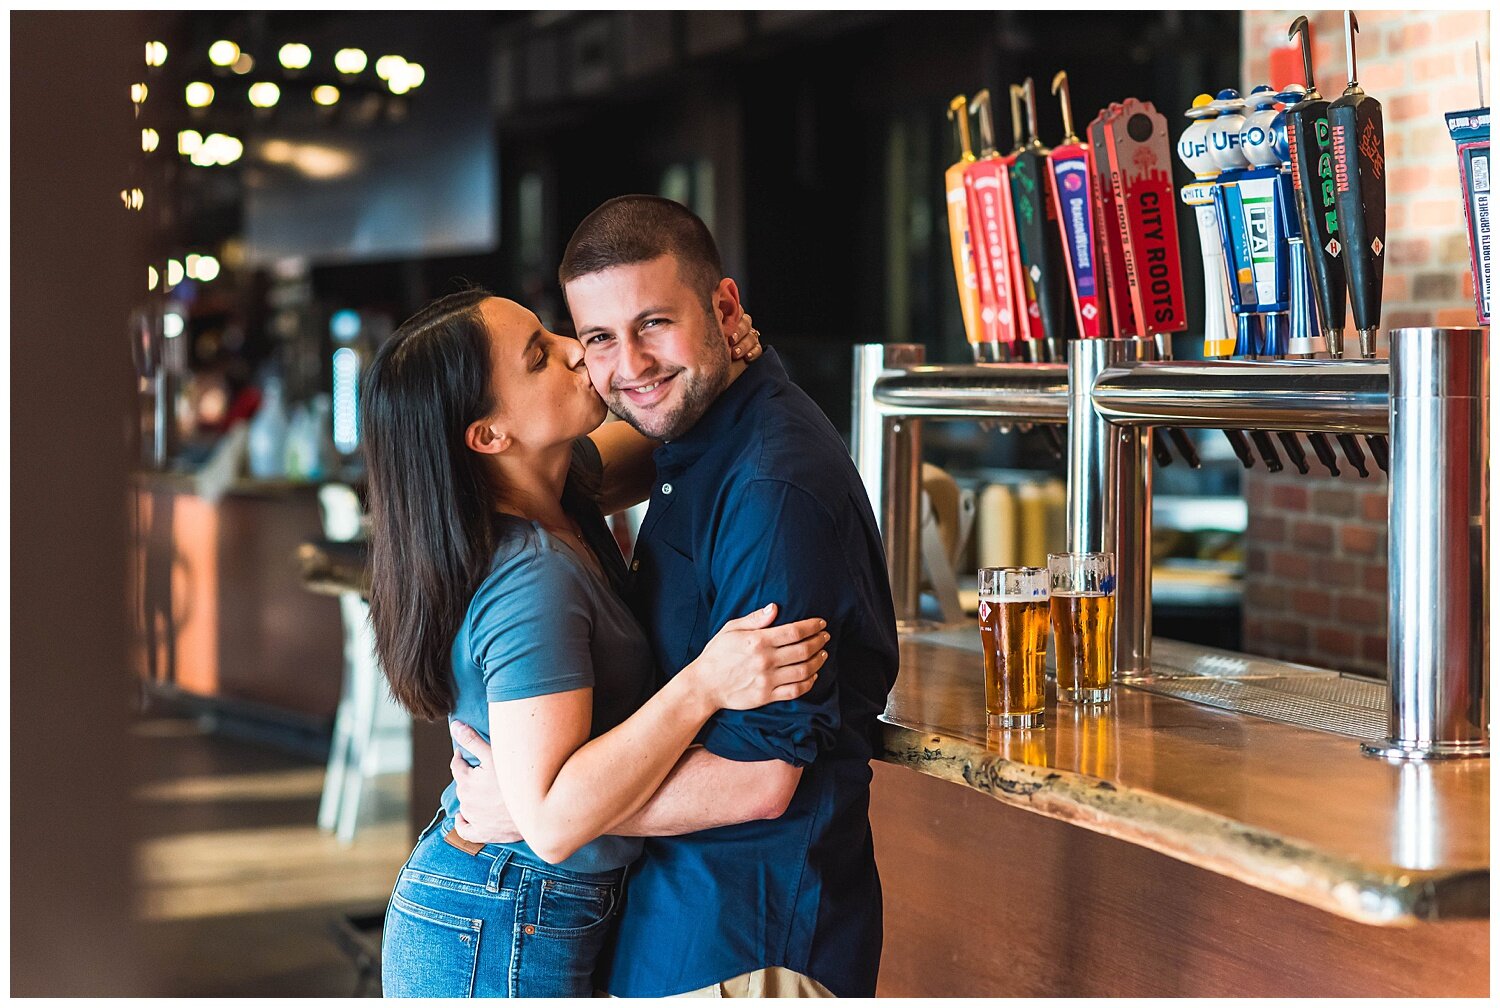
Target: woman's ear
point(482, 437)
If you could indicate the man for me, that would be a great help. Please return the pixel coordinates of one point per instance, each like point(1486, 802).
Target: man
point(758, 877)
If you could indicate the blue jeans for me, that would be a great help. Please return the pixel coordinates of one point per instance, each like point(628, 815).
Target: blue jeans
point(493, 923)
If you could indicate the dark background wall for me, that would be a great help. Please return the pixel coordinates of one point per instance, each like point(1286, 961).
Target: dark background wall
point(826, 139)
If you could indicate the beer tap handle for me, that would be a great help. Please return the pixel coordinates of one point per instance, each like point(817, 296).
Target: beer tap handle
point(1267, 450)
point(1065, 99)
point(1028, 88)
point(1324, 450)
point(1241, 447)
point(1016, 92)
point(1185, 447)
point(1353, 453)
point(1360, 173)
point(1300, 27)
point(1351, 28)
point(1309, 139)
point(1040, 238)
point(1380, 448)
point(979, 108)
point(958, 115)
point(1069, 183)
point(1294, 450)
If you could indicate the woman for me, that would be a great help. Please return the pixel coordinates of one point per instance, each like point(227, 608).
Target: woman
point(493, 597)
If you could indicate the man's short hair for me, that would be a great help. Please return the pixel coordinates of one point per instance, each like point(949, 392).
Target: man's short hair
point(634, 229)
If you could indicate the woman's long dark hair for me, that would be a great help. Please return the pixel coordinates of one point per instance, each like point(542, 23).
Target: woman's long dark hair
point(431, 509)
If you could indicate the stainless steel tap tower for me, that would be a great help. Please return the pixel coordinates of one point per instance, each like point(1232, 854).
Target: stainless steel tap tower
point(1112, 394)
point(1439, 540)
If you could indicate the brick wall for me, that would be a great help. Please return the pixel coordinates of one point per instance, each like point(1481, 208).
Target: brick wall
point(1315, 548)
point(1315, 569)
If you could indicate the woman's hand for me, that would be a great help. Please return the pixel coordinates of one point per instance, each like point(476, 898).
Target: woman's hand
point(750, 663)
point(745, 345)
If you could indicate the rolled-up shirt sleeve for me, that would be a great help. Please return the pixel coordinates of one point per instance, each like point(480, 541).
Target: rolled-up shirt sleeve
point(780, 545)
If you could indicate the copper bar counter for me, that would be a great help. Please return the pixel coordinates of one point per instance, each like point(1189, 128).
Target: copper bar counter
point(1165, 848)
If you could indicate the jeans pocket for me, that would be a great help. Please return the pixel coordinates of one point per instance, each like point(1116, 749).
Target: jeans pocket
point(426, 952)
point(569, 909)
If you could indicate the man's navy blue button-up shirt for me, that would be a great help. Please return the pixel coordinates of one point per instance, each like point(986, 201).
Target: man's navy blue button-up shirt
point(758, 503)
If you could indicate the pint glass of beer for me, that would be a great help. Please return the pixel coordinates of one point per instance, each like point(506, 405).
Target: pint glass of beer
point(1013, 627)
point(1083, 619)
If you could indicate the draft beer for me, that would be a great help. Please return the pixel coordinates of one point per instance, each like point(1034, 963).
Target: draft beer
point(1013, 629)
point(1082, 590)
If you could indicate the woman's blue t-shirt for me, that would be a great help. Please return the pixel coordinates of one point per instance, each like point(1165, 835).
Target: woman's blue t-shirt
point(545, 622)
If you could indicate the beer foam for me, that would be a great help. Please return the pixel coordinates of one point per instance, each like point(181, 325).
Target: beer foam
point(1039, 596)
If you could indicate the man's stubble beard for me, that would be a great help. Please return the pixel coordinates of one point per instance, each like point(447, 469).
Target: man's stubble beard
point(697, 395)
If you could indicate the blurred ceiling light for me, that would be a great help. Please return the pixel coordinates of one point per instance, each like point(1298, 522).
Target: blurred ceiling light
point(264, 94)
point(199, 94)
point(174, 273)
point(171, 325)
point(313, 160)
point(226, 149)
point(202, 267)
point(319, 162)
point(244, 64)
point(223, 53)
point(152, 278)
point(325, 94)
point(350, 61)
point(156, 54)
point(277, 151)
point(406, 76)
point(188, 141)
point(216, 149)
point(295, 56)
point(344, 324)
point(138, 93)
point(150, 140)
point(190, 265)
point(134, 199)
point(388, 67)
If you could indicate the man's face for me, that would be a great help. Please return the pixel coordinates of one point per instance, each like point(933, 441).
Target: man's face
point(654, 351)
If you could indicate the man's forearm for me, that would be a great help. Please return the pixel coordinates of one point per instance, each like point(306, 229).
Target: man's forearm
point(703, 791)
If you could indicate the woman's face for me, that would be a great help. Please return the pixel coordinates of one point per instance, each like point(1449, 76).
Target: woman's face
point(538, 379)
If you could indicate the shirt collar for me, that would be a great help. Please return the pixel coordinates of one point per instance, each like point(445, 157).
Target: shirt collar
point(758, 379)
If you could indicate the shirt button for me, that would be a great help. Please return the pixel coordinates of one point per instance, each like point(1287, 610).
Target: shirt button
point(666, 488)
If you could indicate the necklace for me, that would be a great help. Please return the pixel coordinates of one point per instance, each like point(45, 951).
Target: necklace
point(588, 551)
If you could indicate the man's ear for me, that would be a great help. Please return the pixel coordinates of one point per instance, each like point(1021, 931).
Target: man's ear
point(483, 437)
point(727, 307)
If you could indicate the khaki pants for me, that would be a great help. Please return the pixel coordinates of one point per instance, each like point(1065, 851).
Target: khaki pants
point(770, 982)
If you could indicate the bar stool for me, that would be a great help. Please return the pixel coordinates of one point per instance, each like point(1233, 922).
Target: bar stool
point(947, 519)
point(371, 733)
